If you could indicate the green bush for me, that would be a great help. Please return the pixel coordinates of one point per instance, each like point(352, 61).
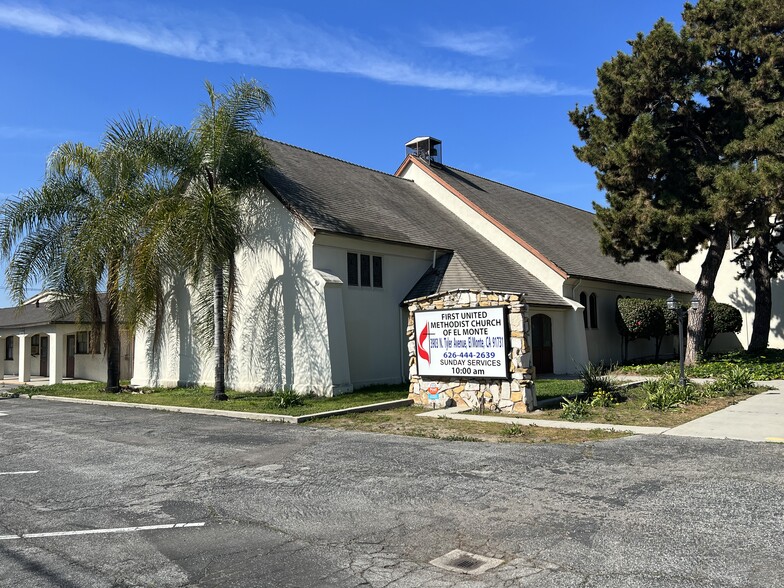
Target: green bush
point(721, 318)
point(765, 365)
point(734, 379)
point(667, 393)
point(594, 377)
point(287, 399)
point(602, 398)
point(639, 318)
point(575, 410)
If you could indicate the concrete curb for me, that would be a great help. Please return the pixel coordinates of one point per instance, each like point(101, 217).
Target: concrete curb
point(456, 414)
point(253, 416)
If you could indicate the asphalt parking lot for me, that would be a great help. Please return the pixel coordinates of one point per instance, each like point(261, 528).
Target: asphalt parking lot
point(105, 496)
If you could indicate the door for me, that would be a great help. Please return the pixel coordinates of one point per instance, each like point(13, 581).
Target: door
point(70, 353)
point(542, 343)
point(44, 369)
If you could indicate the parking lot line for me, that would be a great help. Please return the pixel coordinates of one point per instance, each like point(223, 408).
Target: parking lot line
point(100, 531)
point(19, 473)
point(3, 414)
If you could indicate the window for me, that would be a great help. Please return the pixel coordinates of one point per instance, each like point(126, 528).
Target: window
point(9, 347)
point(83, 342)
point(35, 345)
point(378, 281)
point(364, 270)
point(584, 302)
point(592, 311)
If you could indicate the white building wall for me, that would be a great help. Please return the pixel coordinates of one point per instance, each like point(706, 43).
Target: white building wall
point(740, 294)
point(374, 329)
point(485, 228)
point(280, 337)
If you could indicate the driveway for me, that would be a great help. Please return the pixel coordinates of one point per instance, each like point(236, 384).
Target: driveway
point(105, 496)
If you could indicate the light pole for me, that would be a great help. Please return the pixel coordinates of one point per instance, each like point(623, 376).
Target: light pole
point(681, 312)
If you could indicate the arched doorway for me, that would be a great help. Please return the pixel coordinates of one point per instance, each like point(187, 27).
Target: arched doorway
point(542, 343)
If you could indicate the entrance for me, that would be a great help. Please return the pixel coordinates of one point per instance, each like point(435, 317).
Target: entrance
point(43, 370)
point(542, 343)
point(70, 353)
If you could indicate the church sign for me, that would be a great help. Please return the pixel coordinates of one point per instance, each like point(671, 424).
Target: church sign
point(462, 342)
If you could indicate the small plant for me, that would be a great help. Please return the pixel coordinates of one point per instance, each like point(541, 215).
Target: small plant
point(575, 410)
point(736, 378)
point(667, 393)
point(594, 377)
point(712, 390)
point(602, 398)
point(513, 430)
point(287, 399)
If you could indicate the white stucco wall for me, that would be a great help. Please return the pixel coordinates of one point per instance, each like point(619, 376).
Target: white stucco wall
point(484, 227)
point(374, 326)
point(740, 294)
point(281, 334)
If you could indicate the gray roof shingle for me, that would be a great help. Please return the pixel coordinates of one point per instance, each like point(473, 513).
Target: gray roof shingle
point(341, 197)
point(563, 234)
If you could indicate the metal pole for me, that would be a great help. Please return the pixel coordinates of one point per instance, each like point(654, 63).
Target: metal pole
point(681, 314)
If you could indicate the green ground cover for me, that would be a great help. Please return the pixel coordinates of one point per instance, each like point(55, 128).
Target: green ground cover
point(553, 388)
point(201, 397)
point(764, 365)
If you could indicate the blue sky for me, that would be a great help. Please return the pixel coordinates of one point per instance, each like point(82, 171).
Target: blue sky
point(354, 80)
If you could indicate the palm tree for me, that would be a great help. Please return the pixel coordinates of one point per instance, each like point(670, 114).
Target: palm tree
point(220, 172)
point(74, 233)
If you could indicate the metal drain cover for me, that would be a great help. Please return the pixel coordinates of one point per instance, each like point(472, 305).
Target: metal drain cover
point(466, 563)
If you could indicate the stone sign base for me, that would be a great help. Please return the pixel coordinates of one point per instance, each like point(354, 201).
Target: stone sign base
point(515, 394)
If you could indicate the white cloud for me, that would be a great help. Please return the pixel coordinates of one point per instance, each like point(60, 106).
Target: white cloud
point(285, 43)
point(18, 132)
point(484, 43)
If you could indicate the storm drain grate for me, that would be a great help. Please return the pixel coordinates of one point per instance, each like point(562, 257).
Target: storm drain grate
point(466, 563)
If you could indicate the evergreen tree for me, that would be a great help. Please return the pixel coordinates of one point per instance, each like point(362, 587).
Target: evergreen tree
point(667, 134)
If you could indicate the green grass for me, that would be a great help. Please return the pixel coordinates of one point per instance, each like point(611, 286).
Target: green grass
point(201, 397)
point(554, 388)
point(765, 365)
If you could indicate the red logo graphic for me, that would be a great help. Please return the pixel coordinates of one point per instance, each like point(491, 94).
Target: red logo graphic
point(421, 350)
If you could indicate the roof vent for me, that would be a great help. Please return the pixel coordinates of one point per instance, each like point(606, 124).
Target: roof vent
point(427, 149)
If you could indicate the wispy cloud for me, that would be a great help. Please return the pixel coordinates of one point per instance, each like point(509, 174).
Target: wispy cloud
point(18, 132)
point(280, 42)
point(482, 43)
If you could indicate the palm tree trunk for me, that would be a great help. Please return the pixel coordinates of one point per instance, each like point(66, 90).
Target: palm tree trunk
point(763, 301)
point(703, 291)
point(112, 330)
point(217, 299)
point(231, 295)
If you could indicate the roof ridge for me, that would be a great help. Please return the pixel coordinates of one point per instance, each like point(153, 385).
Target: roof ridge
point(518, 189)
point(378, 171)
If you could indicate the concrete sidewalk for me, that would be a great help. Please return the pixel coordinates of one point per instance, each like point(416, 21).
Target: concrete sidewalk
point(759, 418)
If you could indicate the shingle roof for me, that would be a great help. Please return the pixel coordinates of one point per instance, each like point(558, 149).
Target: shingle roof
point(563, 234)
point(30, 315)
point(450, 272)
point(341, 197)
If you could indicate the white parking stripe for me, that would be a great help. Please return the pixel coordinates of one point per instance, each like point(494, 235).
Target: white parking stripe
point(100, 531)
point(3, 414)
point(18, 473)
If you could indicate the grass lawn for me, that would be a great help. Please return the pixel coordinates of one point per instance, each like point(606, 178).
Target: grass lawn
point(763, 365)
point(403, 421)
point(631, 412)
point(554, 388)
point(240, 401)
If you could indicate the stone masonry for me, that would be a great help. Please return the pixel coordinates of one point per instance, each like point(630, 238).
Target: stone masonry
point(515, 394)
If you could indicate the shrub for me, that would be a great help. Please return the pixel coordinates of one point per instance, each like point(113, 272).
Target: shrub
point(667, 393)
point(602, 398)
point(287, 398)
point(735, 378)
point(721, 318)
point(594, 377)
point(575, 410)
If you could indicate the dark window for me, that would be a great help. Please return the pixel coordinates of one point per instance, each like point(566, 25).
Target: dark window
point(378, 280)
point(83, 342)
point(584, 302)
point(592, 309)
point(35, 345)
point(9, 347)
point(353, 269)
point(364, 270)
